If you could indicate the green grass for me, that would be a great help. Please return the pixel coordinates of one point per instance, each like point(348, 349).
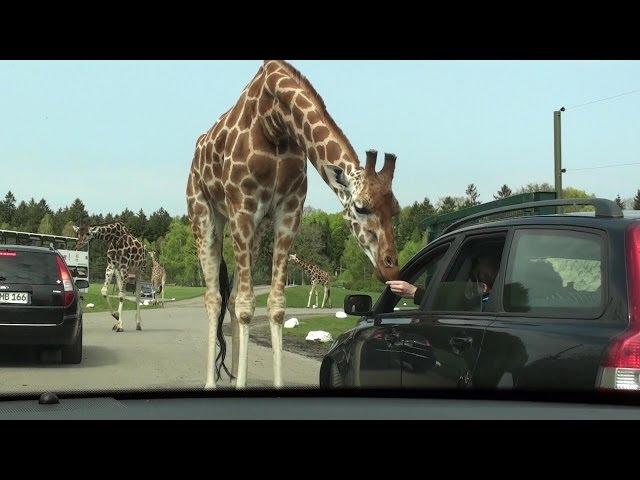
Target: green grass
point(298, 296)
point(101, 305)
point(328, 323)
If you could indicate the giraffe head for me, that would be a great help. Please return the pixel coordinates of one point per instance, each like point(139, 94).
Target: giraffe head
point(152, 254)
point(83, 232)
point(294, 257)
point(369, 207)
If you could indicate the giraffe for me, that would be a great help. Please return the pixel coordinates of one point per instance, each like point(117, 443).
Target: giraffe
point(158, 277)
point(249, 170)
point(317, 277)
point(125, 255)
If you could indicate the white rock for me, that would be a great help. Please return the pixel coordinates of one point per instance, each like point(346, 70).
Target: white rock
point(292, 322)
point(404, 304)
point(319, 336)
point(341, 314)
point(315, 306)
point(90, 305)
point(396, 308)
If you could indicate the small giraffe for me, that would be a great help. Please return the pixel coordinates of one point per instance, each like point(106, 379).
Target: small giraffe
point(158, 277)
point(250, 170)
point(317, 277)
point(125, 256)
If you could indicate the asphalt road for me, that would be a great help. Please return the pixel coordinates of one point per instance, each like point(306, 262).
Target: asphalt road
point(170, 352)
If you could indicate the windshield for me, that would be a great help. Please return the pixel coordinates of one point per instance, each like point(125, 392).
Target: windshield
point(280, 224)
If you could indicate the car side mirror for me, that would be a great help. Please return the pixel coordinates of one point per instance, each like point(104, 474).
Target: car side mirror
point(358, 304)
point(80, 283)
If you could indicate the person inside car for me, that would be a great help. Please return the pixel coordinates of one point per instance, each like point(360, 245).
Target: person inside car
point(481, 278)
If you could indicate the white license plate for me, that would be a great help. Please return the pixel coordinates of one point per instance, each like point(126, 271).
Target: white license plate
point(14, 297)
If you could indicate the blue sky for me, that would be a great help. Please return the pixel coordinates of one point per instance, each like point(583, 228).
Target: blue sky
point(121, 134)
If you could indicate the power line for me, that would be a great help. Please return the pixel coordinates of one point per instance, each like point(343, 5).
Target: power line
point(601, 166)
point(602, 99)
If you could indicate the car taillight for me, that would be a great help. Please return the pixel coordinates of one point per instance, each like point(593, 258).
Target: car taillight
point(67, 282)
point(620, 369)
point(7, 254)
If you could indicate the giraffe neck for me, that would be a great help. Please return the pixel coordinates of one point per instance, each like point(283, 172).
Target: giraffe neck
point(297, 113)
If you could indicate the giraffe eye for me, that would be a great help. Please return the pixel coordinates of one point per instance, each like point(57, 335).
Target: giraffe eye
point(362, 210)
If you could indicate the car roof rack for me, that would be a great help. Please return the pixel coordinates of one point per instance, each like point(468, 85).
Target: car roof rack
point(604, 209)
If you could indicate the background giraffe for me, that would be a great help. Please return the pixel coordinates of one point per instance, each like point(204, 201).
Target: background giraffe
point(249, 170)
point(125, 256)
point(317, 277)
point(158, 277)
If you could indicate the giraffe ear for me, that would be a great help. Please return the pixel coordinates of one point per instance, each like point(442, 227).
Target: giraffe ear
point(337, 178)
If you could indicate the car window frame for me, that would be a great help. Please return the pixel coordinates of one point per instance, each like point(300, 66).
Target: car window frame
point(462, 240)
point(502, 313)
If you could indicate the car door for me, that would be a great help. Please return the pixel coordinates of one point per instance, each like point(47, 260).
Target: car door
point(554, 319)
point(376, 346)
point(442, 343)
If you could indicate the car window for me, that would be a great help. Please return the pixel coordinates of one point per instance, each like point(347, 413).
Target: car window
point(554, 271)
point(28, 267)
point(467, 285)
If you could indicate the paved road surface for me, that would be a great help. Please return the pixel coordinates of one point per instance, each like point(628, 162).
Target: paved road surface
point(170, 352)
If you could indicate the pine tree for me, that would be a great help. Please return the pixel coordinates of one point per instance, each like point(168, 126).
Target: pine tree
point(619, 201)
point(636, 201)
point(504, 192)
point(472, 195)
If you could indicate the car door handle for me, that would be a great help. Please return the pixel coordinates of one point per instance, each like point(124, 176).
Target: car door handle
point(461, 342)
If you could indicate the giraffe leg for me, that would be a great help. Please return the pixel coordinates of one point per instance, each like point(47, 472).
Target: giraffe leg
point(138, 299)
point(164, 279)
point(243, 231)
point(324, 296)
point(329, 294)
point(310, 293)
point(108, 277)
point(276, 302)
point(208, 229)
point(120, 278)
point(316, 290)
point(235, 328)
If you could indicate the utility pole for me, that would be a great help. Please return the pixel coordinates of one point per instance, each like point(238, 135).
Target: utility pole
point(557, 152)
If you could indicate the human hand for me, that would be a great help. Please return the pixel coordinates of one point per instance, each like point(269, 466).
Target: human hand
point(404, 289)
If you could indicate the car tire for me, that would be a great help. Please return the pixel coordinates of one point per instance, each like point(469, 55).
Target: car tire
point(72, 354)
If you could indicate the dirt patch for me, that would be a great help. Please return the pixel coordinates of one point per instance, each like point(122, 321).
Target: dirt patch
point(261, 335)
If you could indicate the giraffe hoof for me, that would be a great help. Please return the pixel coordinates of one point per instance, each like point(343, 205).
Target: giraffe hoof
point(119, 329)
point(116, 316)
point(138, 327)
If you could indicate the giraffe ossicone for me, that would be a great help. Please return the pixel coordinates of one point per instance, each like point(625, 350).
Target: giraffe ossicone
point(249, 170)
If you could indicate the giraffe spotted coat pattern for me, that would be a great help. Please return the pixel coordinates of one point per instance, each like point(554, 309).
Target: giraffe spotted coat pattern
point(317, 276)
point(249, 170)
point(125, 257)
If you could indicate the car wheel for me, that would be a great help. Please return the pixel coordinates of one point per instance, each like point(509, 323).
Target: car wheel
point(73, 353)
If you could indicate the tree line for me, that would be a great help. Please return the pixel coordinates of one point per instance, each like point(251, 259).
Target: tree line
point(323, 238)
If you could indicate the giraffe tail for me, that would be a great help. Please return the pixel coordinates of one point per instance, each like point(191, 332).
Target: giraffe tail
point(225, 292)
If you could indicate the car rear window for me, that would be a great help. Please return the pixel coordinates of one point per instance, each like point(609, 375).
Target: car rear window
point(555, 271)
point(37, 268)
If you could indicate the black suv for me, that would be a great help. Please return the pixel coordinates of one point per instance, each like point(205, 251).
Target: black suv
point(39, 301)
point(561, 312)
